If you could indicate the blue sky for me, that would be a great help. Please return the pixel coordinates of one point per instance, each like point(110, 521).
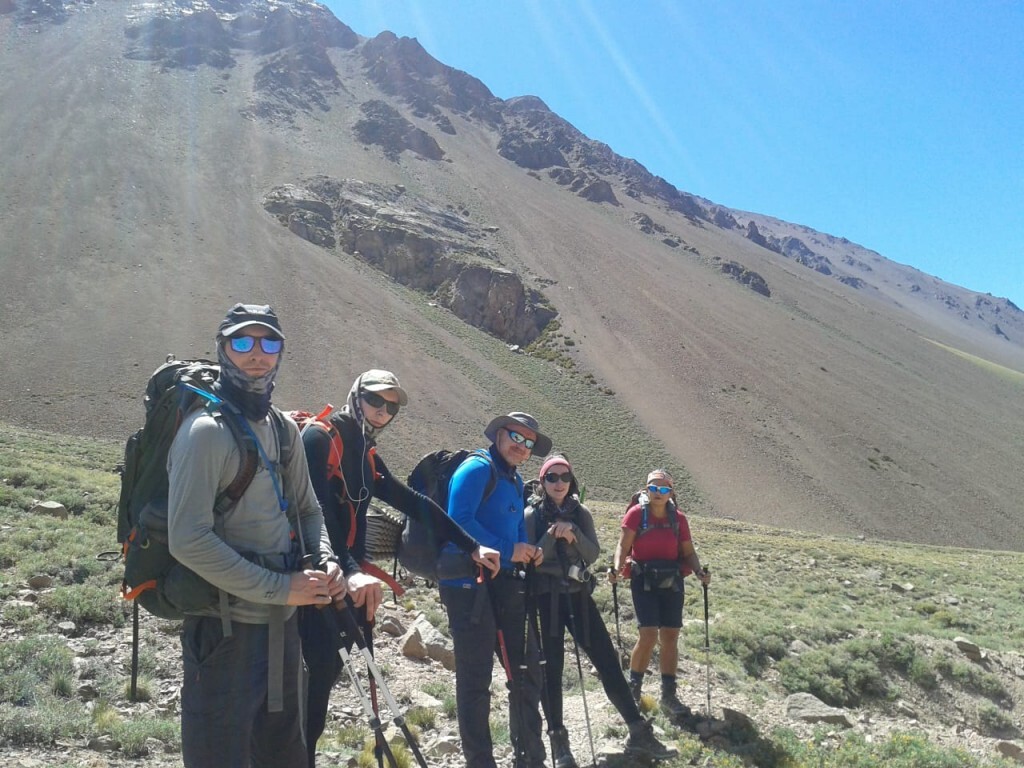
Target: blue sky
point(899, 124)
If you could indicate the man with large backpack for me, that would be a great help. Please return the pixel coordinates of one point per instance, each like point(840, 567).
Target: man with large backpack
point(347, 473)
point(240, 697)
point(487, 619)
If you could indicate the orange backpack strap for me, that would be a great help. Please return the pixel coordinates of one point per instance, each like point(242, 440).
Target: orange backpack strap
point(372, 570)
point(372, 456)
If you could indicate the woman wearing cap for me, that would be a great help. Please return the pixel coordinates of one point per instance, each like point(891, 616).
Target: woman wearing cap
point(486, 498)
point(564, 529)
point(372, 404)
point(655, 549)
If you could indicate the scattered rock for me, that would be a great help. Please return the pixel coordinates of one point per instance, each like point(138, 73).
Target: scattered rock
point(446, 745)
point(798, 646)
point(901, 588)
point(810, 709)
point(1011, 749)
point(969, 649)
point(412, 644)
point(905, 709)
point(40, 581)
point(104, 743)
point(51, 508)
point(419, 698)
point(392, 626)
point(738, 720)
point(88, 692)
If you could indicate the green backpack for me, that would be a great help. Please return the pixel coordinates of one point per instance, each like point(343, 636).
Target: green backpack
point(152, 577)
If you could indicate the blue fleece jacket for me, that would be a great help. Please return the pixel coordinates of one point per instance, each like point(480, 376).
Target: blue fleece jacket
point(496, 521)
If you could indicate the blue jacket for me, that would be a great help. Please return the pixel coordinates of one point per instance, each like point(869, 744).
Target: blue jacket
point(498, 521)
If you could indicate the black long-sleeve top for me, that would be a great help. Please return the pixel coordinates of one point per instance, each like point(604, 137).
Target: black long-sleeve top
point(361, 486)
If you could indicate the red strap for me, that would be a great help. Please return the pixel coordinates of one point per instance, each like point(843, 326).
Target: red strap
point(131, 594)
point(375, 571)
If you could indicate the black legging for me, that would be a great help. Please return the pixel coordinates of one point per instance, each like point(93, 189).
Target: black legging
point(595, 642)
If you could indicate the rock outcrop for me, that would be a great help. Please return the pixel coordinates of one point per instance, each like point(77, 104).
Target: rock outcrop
point(416, 243)
point(384, 126)
point(747, 277)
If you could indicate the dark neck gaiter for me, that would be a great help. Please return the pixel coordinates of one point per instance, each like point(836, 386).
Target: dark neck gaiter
point(251, 396)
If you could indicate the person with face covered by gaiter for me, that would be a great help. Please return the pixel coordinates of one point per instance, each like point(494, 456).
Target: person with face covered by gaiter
point(373, 403)
point(240, 695)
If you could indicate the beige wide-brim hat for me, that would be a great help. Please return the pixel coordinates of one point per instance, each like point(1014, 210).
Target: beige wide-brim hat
point(543, 445)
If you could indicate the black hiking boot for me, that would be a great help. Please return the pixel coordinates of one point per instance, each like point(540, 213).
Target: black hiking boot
point(670, 703)
point(643, 744)
point(636, 684)
point(561, 754)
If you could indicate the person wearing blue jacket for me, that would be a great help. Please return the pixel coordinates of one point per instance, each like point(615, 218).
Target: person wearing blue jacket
point(485, 497)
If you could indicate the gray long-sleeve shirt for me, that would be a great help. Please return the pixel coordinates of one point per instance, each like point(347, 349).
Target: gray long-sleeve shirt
point(585, 550)
point(203, 460)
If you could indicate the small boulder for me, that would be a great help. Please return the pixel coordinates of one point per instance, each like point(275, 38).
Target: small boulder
point(40, 581)
point(51, 508)
point(810, 709)
point(969, 649)
point(1011, 750)
point(446, 745)
point(391, 626)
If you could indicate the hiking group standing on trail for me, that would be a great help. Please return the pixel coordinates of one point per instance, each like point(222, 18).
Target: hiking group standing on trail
point(266, 513)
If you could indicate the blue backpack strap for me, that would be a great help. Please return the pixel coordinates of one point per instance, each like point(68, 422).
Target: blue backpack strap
point(492, 481)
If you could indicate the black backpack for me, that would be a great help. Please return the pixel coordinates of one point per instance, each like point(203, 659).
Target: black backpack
point(420, 544)
point(152, 577)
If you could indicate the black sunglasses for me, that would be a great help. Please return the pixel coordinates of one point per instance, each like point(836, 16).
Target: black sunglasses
point(242, 344)
point(376, 401)
point(554, 477)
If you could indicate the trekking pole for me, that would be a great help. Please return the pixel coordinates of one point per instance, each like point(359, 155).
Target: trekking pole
point(519, 744)
point(533, 625)
point(378, 739)
point(135, 650)
point(364, 699)
point(351, 629)
point(707, 645)
point(564, 561)
point(623, 656)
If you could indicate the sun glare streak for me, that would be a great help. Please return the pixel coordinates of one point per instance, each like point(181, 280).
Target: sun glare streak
point(640, 91)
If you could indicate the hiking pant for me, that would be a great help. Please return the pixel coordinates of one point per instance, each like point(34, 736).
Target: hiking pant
point(224, 717)
point(594, 641)
point(474, 636)
point(320, 645)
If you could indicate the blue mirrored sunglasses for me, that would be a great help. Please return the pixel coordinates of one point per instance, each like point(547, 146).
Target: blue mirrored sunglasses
point(244, 344)
point(520, 439)
point(659, 488)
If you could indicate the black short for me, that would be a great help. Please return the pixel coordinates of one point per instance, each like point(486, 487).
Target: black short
point(656, 607)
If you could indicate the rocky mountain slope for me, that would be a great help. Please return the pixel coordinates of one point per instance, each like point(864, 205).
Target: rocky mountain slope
point(163, 160)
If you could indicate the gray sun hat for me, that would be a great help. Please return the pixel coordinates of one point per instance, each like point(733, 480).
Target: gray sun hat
point(376, 380)
point(243, 315)
point(543, 445)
